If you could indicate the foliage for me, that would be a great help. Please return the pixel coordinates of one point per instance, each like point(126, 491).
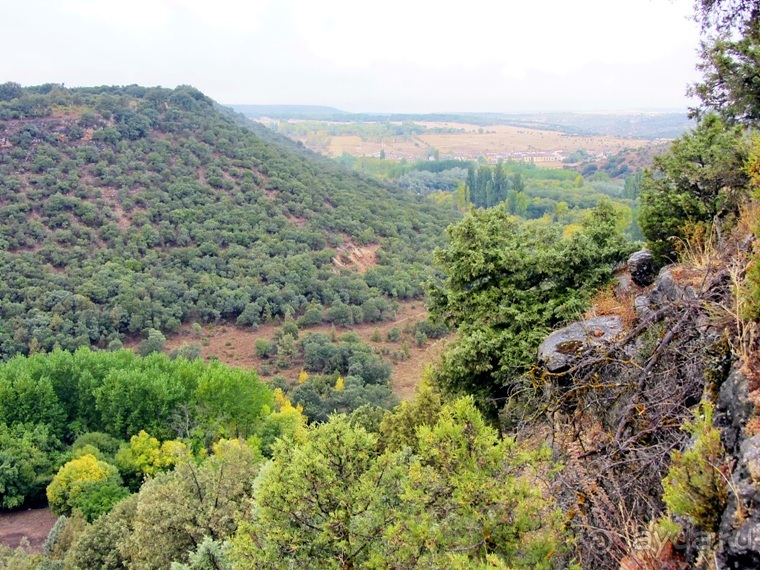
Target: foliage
point(177, 509)
point(399, 428)
point(287, 423)
point(156, 207)
point(507, 284)
point(154, 342)
point(701, 181)
point(473, 492)
point(465, 491)
point(336, 524)
point(145, 457)
point(28, 457)
point(20, 558)
point(120, 394)
point(87, 484)
point(696, 485)
point(107, 445)
point(99, 544)
point(210, 555)
point(726, 64)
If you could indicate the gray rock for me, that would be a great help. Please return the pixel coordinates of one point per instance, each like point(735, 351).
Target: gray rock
point(560, 349)
point(623, 285)
point(641, 268)
point(642, 306)
point(733, 410)
point(740, 535)
point(667, 290)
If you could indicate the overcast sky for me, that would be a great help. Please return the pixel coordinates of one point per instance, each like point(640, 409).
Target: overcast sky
point(384, 56)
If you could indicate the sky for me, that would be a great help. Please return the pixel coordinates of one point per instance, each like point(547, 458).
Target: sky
point(410, 56)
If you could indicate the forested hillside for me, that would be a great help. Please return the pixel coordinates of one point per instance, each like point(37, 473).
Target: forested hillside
point(129, 209)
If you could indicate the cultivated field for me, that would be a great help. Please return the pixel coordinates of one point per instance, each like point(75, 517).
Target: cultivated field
point(492, 142)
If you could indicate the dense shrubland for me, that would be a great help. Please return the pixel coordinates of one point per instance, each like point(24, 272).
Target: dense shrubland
point(129, 209)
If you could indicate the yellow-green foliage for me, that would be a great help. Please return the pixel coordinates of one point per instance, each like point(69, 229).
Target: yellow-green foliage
point(74, 478)
point(145, 456)
point(751, 292)
point(695, 487)
point(464, 499)
point(399, 429)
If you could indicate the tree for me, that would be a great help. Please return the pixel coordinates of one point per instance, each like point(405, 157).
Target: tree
point(399, 428)
point(10, 90)
point(177, 509)
point(696, 485)
point(146, 457)
point(100, 545)
point(474, 493)
point(27, 460)
point(728, 66)
point(701, 181)
point(507, 283)
point(81, 480)
point(337, 523)
point(232, 400)
point(154, 342)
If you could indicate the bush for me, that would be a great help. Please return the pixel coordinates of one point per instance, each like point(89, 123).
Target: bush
point(264, 348)
point(84, 481)
point(695, 486)
point(154, 342)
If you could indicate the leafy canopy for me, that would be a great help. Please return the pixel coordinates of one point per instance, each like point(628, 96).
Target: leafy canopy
point(507, 283)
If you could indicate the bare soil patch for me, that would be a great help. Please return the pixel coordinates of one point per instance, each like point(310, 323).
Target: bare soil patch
point(358, 258)
point(34, 524)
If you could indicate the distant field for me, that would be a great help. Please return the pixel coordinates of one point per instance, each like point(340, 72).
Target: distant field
point(493, 142)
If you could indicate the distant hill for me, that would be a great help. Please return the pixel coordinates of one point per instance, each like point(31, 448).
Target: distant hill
point(288, 111)
point(633, 124)
point(124, 209)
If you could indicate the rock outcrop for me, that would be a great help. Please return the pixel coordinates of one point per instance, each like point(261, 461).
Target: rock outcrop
point(641, 268)
point(559, 349)
point(739, 535)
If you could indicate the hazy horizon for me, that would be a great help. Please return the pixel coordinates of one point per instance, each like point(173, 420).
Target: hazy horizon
point(401, 57)
point(621, 111)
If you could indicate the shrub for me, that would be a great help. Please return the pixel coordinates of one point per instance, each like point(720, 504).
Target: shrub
point(264, 348)
point(695, 486)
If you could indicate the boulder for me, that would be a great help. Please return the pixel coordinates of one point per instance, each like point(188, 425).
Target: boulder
point(733, 410)
point(739, 537)
point(560, 349)
point(666, 289)
point(641, 268)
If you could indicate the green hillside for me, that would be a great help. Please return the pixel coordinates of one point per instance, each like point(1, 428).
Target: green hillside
point(124, 209)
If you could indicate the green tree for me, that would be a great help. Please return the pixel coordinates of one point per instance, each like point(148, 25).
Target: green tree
point(177, 509)
point(27, 459)
point(472, 492)
point(701, 181)
point(507, 284)
point(337, 523)
point(695, 485)
point(145, 457)
point(101, 544)
point(154, 342)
